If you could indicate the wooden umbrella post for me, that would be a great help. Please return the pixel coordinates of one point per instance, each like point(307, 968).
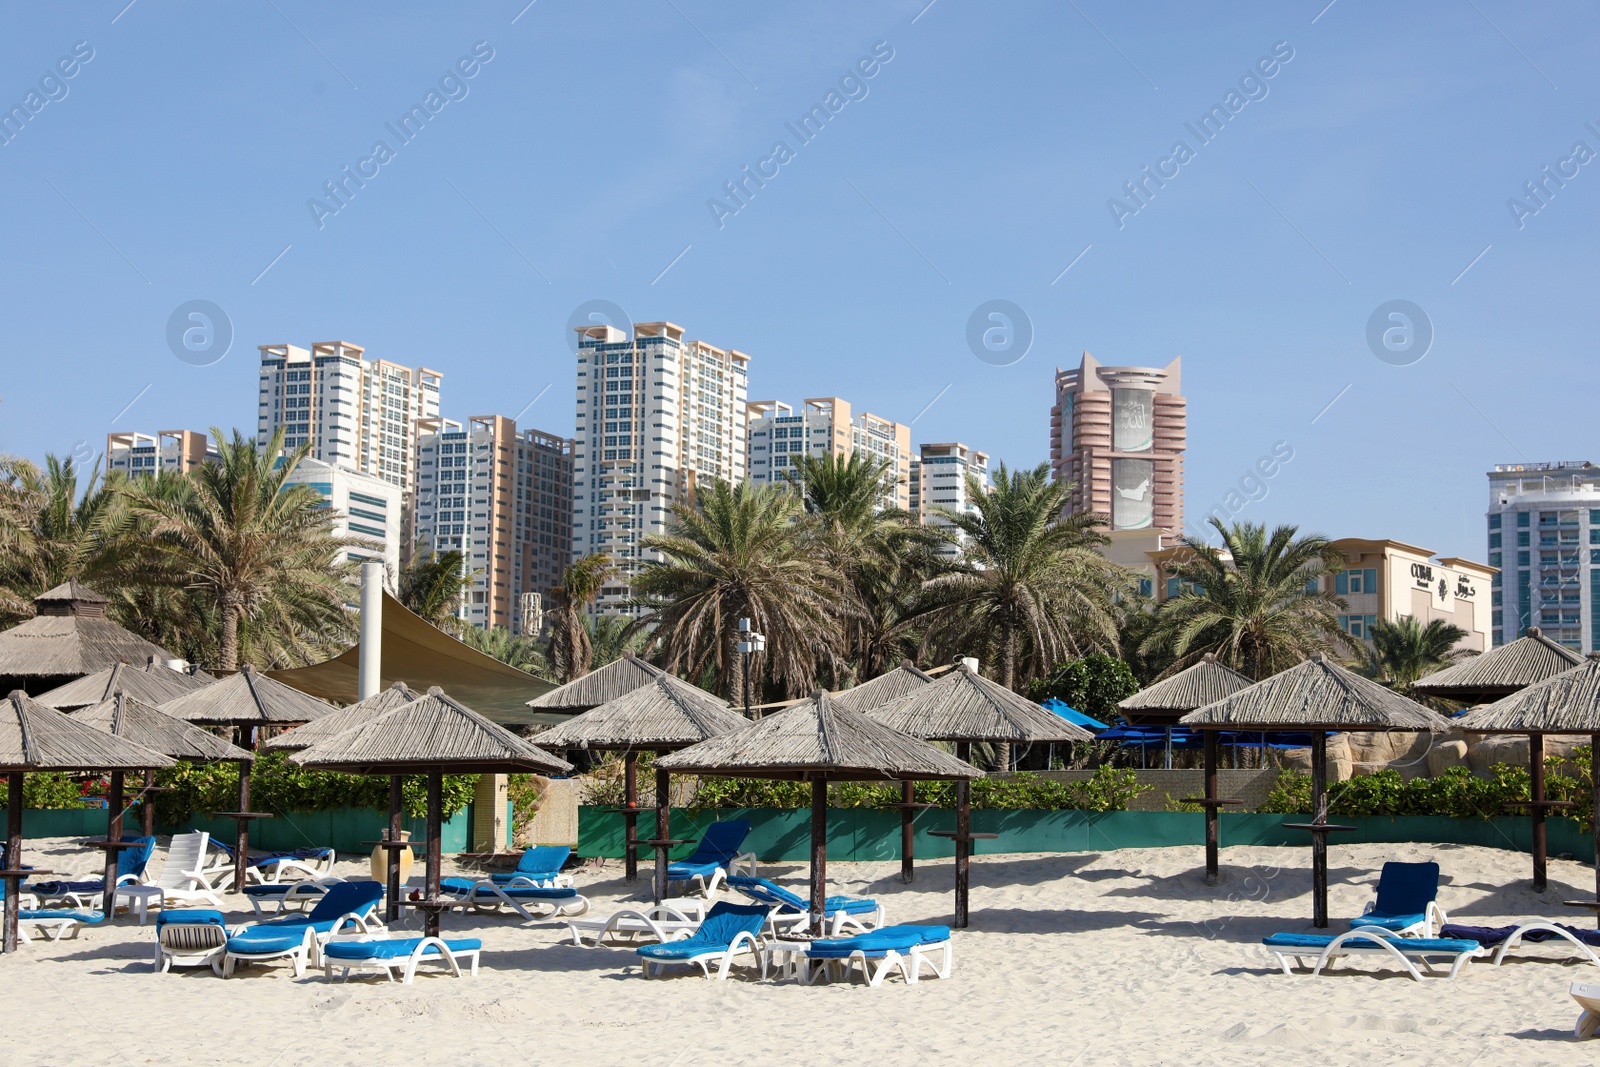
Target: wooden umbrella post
point(663, 824)
point(391, 910)
point(241, 840)
point(13, 861)
point(1536, 774)
point(147, 804)
point(1319, 838)
point(1212, 836)
point(113, 837)
point(1594, 779)
point(908, 797)
point(630, 817)
point(819, 853)
point(963, 832)
point(435, 830)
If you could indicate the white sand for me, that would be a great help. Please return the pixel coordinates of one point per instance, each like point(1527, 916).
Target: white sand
point(1093, 958)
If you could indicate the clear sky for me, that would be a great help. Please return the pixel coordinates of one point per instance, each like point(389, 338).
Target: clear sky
point(978, 161)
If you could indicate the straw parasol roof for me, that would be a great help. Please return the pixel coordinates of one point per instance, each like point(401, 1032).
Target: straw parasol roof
point(1568, 703)
point(248, 698)
point(430, 733)
point(1194, 687)
point(1501, 671)
point(1316, 694)
point(152, 684)
point(599, 686)
point(131, 719)
point(818, 739)
point(34, 737)
point(666, 712)
point(965, 706)
point(380, 703)
point(886, 687)
point(70, 637)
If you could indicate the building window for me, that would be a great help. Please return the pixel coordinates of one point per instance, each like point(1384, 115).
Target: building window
point(1522, 559)
point(1360, 580)
point(1522, 520)
point(1522, 539)
point(1494, 540)
point(1494, 521)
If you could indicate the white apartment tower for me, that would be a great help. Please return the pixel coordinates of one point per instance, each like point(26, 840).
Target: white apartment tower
point(1544, 541)
point(825, 426)
point(939, 480)
point(363, 506)
point(656, 415)
point(172, 451)
point(356, 413)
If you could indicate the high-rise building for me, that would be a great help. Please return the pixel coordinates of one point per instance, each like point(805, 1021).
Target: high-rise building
point(657, 415)
point(503, 500)
point(824, 426)
point(177, 451)
point(356, 413)
point(1118, 435)
point(1544, 540)
point(939, 480)
point(363, 506)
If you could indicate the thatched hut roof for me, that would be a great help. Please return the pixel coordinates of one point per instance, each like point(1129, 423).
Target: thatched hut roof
point(380, 703)
point(1316, 694)
point(428, 734)
point(248, 698)
point(965, 706)
point(886, 687)
point(1194, 687)
point(667, 712)
point(1568, 703)
point(818, 739)
point(1501, 671)
point(599, 686)
point(34, 737)
point(152, 684)
point(70, 637)
point(131, 719)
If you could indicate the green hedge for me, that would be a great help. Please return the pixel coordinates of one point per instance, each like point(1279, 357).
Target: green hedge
point(1457, 793)
point(1109, 790)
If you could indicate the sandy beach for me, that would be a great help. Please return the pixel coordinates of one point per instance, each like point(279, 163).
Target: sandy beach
point(1104, 958)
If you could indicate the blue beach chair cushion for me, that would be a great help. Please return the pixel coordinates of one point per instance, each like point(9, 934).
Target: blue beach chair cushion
point(188, 917)
point(344, 898)
point(770, 892)
point(722, 924)
point(1494, 935)
point(1410, 945)
point(259, 940)
point(1404, 892)
point(539, 863)
point(45, 914)
point(388, 949)
point(461, 887)
point(877, 942)
point(130, 861)
point(717, 847)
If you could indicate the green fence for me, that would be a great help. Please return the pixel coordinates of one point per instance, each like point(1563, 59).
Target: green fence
point(345, 829)
point(783, 835)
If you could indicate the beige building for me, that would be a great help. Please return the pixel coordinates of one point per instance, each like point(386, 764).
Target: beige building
point(825, 426)
point(175, 451)
point(1118, 435)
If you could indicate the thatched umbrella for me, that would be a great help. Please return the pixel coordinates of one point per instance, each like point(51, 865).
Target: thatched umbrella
point(68, 638)
point(152, 684)
point(362, 711)
point(1496, 674)
point(599, 686)
point(248, 700)
point(665, 714)
point(965, 707)
point(134, 720)
point(1568, 703)
point(817, 741)
point(1316, 695)
point(1166, 702)
point(36, 738)
point(430, 736)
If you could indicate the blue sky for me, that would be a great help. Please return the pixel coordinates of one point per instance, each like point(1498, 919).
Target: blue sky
point(977, 163)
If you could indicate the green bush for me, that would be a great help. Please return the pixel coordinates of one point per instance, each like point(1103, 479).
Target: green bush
point(1108, 790)
point(276, 785)
point(1092, 685)
point(50, 789)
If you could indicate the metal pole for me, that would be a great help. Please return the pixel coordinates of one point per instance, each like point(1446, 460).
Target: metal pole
point(963, 829)
point(908, 796)
point(1594, 778)
point(241, 840)
point(396, 831)
point(630, 817)
point(1211, 809)
point(435, 829)
point(8, 943)
point(113, 835)
point(746, 672)
point(1536, 773)
point(663, 824)
point(371, 654)
point(819, 853)
point(1169, 748)
point(1319, 840)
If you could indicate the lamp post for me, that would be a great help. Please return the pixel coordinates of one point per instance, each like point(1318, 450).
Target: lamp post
point(750, 641)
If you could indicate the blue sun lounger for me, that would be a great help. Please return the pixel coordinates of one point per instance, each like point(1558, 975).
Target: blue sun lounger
point(889, 947)
point(485, 896)
point(838, 912)
point(1407, 902)
point(299, 937)
point(399, 954)
point(1325, 949)
point(55, 923)
point(539, 866)
point(131, 864)
point(1504, 939)
point(716, 857)
point(727, 929)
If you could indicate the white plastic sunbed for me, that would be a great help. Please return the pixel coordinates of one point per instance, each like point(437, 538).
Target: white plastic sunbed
point(667, 921)
point(378, 952)
point(55, 923)
point(184, 881)
point(1327, 949)
point(1536, 932)
point(1587, 994)
point(484, 896)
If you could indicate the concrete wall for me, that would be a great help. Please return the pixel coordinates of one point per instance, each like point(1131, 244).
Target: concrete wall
point(556, 821)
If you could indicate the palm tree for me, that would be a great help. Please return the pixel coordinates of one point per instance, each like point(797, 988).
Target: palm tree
point(263, 552)
point(571, 650)
point(50, 532)
point(523, 653)
point(1253, 603)
point(610, 636)
point(433, 585)
point(733, 552)
point(1033, 590)
point(1405, 650)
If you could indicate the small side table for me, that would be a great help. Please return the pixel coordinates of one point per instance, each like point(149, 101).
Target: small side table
point(138, 898)
point(786, 956)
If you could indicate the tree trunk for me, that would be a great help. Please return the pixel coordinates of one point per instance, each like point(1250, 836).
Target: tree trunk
point(1008, 675)
point(735, 672)
point(229, 653)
